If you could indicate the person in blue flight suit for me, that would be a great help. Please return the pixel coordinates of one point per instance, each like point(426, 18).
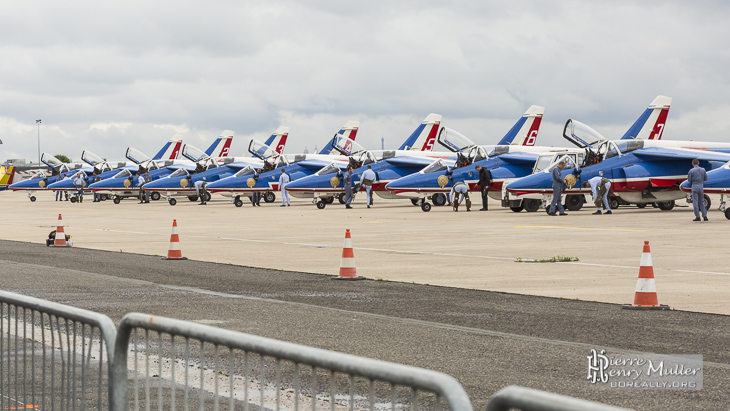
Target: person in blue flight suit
point(697, 177)
point(368, 178)
point(600, 187)
point(347, 181)
point(558, 182)
point(284, 179)
point(256, 196)
point(461, 192)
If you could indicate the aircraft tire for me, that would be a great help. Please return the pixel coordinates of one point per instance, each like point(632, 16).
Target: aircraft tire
point(172, 201)
point(155, 196)
point(207, 196)
point(666, 205)
point(117, 200)
point(574, 202)
point(237, 202)
point(439, 199)
point(613, 203)
point(426, 207)
point(531, 205)
point(321, 204)
point(193, 198)
point(414, 201)
point(73, 200)
point(329, 200)
point(269, 197)
point(708, 202)
point(32, 199)
point(518, 209)
point(341, 198)
point(727, 213)
point(641, 205)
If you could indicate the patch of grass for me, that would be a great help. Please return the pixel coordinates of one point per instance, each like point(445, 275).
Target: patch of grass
point(556, 259)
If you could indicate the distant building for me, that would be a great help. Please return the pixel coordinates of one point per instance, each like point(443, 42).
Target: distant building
point(305, 150)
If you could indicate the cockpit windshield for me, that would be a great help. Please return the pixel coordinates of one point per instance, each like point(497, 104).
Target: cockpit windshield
point(581, 135)
point(193, 153)
point(261, 150)
point(434, 167)
point(91, 159)
point(51, 161)
point(478, 153)
point(346, 146)
point(543, 162)
point(136, 156)
point(454, 141)
point(248, 170)
point(180, 172)
point(328, 169)
point(124, 173)
point(568, 160)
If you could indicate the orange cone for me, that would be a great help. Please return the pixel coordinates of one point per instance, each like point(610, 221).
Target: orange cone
point(347, 264)
point(646, 296)
point(60, 239)
point(174, 252)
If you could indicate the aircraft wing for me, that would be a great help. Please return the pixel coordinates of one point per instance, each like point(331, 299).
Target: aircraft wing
point(318, 164)
point(664, 154)
point(519, 158)
point(410, 161)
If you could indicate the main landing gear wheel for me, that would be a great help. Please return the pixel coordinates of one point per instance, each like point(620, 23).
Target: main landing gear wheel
point(666, 205)
point(328, 200)
point(574, 202)
point(321, 204)
point(613, 203)
point(32, 199)
point(727, 213)
point(439, 199)
point(193, 198)
point(341, 198)
point(708, 203)
point(414, 201)
point(172, 201)
point(269, 197)
point(117, 200)
point(531, 205)
point(207, 196)
point(155, 196)
point(426, 207)
point(73, 200)
point(517, 209)
point(642, 205)
point(238, 202)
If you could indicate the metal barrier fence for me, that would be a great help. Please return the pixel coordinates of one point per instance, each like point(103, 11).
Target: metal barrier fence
point(242, 370)
point(527, 399)
point(52, 356)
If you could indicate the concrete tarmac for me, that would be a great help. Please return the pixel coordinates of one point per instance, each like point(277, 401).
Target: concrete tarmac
point(396, 241)
point(486, 340)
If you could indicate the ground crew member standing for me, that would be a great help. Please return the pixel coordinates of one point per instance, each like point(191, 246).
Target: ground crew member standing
point(600, 187)
point(485, 180)
point(463, 189)
point(368, 178)
point(558, 182)
point(697, 177)
point(347, 181)
point(79, 183)
point(97, 178)
point(141, 179)
point(283, 181)
point(256, 196)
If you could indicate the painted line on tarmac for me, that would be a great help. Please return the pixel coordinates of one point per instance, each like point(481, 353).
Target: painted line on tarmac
point(579, 228)
point(410, 321)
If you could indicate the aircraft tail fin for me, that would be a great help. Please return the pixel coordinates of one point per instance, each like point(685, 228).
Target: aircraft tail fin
point(524, 132)
point(349, 130)
point(221, 146)
point(171, 149)
point(424, 137)
point(650, 125)
point(7, 175)
point(277, 141)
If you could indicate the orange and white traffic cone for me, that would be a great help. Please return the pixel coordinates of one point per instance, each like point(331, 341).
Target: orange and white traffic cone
point(646, 296)
point(60, 238)
point(347, 265)
point(174, 252)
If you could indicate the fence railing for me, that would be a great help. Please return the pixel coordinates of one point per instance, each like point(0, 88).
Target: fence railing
point(237, 368)
point(57, 357)
point(54, 357)
point(528, 399)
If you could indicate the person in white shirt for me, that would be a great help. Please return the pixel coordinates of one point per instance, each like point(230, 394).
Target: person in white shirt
point(141, 179)
point(79, 183)
point(284, 179)
point(368, 178)
point(459, 192)
point(599, 188)
point(200, 191)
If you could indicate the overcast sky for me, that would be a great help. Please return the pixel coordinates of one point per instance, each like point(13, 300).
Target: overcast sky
point(103, 76)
